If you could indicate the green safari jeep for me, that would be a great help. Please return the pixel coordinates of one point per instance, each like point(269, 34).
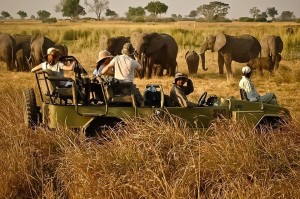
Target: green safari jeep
point(91, 105)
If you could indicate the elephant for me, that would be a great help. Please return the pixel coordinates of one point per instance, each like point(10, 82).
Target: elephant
point(192, 60)
point(272, 45)
point(22, 51)
point(22, 57)
point(262, 63)
point(64, 51)
point(155, 51)
point(39, 45)
point(230, 48)
point(114, 45)
point(8, 50)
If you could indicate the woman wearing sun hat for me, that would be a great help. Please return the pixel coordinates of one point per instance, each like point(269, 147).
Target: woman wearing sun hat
point(104, 57)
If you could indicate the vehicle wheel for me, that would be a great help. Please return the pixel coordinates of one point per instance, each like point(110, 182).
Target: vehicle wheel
point(30, 108)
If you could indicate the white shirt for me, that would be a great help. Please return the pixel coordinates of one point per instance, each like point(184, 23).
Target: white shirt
point(125, 67)
point(58, 72)
point(248, 86)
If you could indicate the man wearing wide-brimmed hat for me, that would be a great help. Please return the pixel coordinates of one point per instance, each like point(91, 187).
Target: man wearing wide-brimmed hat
point(179, 92)
point(252, 95)
point(124, 67)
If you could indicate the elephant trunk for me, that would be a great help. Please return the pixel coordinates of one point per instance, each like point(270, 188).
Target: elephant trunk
point(202, 55)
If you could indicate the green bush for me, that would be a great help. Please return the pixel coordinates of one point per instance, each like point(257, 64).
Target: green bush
point(138, 20)
point(260, 19)
point(246, 19)
point(49, 20)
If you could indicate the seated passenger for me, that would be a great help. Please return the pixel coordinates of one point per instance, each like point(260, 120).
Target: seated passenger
point(247, 85)
point(179, 92)
point(104, 58)
point(52, 62)
point(124, 67)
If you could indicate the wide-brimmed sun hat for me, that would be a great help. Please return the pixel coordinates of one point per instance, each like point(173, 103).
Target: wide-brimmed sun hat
point(127, 49)
point(103, 54)
point(180, 76)
point(246, 70)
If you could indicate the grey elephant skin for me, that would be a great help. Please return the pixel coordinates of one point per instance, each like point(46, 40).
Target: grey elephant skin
point(7, 50)
point(262, 63)
point(156, 51)
point(272, 45)
point(192, 60)
point(114, 45)
point(22, 52)
point(39, 45)
point(230, 48)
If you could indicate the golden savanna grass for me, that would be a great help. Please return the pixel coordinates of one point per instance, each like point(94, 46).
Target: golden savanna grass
point(153, 158)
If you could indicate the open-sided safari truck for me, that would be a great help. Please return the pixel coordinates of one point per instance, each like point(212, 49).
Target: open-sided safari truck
point(91, 105)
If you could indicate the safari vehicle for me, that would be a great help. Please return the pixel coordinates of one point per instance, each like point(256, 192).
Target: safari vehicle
point(91, 105)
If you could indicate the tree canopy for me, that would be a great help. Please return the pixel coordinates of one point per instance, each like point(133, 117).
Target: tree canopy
point(193, 14)
point(254, 12)
point(22, 14)
point(286, 15)
point(5, 14)
point(213, 10)
point(70, 8)
point(135, 12)
point(156, 7)
point(272, 12)
point(110, 13)
point(43, 14)
point(97, 6)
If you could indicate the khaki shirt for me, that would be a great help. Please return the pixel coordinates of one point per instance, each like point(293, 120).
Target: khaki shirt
point(179, 95)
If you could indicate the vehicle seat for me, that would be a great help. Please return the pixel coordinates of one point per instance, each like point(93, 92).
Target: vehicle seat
point(51, 86)
point(120, 94)
point(152, 97)
point(243, 94)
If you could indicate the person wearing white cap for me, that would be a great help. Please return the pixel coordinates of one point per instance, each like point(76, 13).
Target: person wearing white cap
point(179, 92)
point(104, 57)
point(124, 67)
point(252, 95)
point(52, 63)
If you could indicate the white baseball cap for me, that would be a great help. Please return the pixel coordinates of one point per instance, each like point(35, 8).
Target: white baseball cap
point(246, 70)
point(50, 50)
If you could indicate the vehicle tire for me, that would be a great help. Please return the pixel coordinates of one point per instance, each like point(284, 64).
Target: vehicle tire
point(30, 108)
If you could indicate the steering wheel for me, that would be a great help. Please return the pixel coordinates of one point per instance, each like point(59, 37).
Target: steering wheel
point(202, 99)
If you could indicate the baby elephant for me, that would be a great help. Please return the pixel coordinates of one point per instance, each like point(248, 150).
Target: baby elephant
point(261, 63)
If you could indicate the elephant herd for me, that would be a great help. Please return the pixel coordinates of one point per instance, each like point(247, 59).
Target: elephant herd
point(242, 49)
point(156, 51)
point(23, 52)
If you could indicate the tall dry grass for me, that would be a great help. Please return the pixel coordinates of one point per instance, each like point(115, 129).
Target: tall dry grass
point(152, 157)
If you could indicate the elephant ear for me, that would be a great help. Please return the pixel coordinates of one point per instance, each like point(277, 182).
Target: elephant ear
point(279, 44)
point(156, 43)
point(220, 41)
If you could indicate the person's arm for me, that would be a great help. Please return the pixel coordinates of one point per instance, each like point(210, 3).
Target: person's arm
point(70, 67)
point(37, 68)
point(107, 69)
point(181, 97)
point(189, 88)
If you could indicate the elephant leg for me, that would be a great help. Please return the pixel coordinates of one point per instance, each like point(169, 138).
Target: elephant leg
point(228, 61)
point(159, 70)
point(172, 69)
point(221, 64)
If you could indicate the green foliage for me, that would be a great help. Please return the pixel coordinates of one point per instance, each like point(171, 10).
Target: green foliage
point(156, 7)
point(110, 13)
point(193, 14)
point(139, 19)
point(22, 14)
point(213, 9)
point(43, 14)
point(246, 19)
point(254, 12)
point(260, 19)
point(286, 16)
point(32, 17)
point(71, 8)
point(135, 12)
point(174, 16)
point(49, 20)
point(272, 12)
point(5, 14)
point(97, 7)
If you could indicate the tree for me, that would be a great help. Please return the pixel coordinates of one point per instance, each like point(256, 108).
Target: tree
point(174, 16)
point(43, 14)
point(213, 10)
point(22, 14)
point(32, 17)
point(272, 12)
point(5, 14)
point(135, 12)
point(156, 7)
point(97, 7)
point(286, 15)
point(193, 14)
point(254, 12)
point(70, 8)
point(179, 16)
point(110, 13)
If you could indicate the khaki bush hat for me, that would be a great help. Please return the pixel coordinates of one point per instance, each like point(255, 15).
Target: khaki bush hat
point(180, 75)
point(127, 49)
point(103, 54)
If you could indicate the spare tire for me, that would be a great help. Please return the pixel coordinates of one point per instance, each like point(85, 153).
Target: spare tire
point(30, 108)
